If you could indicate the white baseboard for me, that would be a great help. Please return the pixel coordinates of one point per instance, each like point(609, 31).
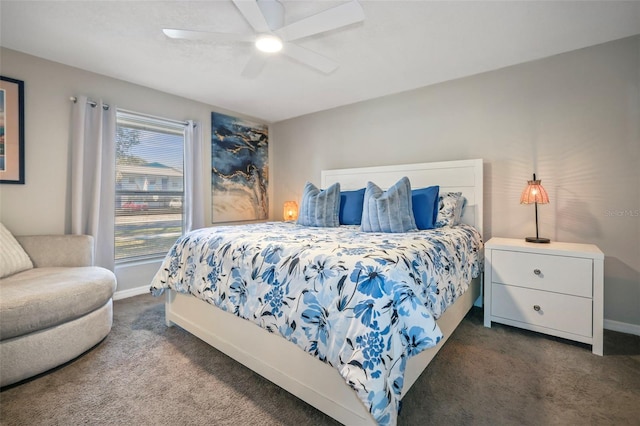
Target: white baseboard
point(622, 327)
point(123, 294)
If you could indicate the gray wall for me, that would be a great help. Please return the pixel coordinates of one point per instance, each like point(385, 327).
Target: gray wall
point(574, 119)
point(42, 204)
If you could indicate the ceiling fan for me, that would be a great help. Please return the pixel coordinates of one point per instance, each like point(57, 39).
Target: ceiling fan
point(266, 17)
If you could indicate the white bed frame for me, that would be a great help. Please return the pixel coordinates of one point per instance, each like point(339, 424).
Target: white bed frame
point(285, 364)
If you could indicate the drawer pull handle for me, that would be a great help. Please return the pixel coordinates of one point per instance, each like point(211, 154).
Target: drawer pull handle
point(536, 308)
point(537, 271)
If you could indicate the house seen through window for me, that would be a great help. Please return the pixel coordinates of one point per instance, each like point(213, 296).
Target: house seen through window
point(149, 186)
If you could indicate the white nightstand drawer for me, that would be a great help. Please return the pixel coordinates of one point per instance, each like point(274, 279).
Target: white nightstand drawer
point(559, 274)
point(570, 314)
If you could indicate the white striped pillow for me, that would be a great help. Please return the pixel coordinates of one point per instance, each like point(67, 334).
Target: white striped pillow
point(13, 258)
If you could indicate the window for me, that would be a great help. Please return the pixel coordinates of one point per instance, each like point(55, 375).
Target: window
point(149, 185)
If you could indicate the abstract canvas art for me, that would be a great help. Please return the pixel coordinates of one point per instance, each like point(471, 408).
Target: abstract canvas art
point(239, 169)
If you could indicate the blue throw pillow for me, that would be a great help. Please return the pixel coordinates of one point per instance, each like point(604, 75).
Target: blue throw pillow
point(351, 207)
point(388, 211)
point(320, 208)
point(425, 206)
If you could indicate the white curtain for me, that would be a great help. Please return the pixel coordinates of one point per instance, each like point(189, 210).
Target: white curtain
point(193, 190)
point(93, 135)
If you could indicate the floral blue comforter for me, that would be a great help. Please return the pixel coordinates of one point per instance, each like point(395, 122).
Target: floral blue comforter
point(362, 302)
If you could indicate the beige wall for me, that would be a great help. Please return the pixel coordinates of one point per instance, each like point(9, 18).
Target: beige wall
point(574, 119)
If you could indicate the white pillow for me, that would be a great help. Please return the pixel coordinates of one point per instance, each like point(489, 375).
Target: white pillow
point(13, 258)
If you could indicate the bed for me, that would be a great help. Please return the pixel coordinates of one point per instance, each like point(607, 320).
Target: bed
point(338, 379)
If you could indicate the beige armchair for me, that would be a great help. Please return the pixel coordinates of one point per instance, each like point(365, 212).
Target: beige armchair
point(55, 311)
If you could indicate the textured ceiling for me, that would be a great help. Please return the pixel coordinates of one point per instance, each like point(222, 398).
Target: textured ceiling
point(401, 45)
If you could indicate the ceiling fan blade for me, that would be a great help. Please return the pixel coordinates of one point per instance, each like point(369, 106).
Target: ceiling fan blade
point(309, 58)
point(205, 35)
point(337, 17)
point(252, 13)
point(254, 66)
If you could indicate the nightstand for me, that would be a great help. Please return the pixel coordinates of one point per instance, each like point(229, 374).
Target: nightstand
point(554, 288)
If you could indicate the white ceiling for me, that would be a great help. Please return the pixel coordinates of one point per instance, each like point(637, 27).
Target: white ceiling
point(401, 45)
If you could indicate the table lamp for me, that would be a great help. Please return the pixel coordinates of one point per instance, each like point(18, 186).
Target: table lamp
point(290, 210)
point(535, 193)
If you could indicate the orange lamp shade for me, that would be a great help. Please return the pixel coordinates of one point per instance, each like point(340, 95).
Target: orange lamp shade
point(534, 193)
point(290, 210)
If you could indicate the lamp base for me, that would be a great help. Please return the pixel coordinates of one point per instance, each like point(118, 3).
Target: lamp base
point(537, 240)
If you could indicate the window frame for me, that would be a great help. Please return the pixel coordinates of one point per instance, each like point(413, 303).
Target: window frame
point(144, 122)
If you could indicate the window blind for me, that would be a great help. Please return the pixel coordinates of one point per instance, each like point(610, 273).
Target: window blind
point(149, 185)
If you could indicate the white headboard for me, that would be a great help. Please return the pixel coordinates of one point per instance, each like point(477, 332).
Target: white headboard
point(452, 176)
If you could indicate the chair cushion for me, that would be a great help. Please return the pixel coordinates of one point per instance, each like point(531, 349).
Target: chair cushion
point(40, 298)
point(13, 258)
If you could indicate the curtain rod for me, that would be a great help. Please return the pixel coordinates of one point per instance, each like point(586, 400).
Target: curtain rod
point(90, 102)
point(106, 108)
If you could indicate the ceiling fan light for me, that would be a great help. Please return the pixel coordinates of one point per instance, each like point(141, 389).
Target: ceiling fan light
point(269, 43)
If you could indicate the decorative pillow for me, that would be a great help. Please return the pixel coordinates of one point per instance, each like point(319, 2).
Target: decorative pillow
point(450, 209)
point(320, 208)
point(388, 211)
point(425, 206)
point(13, 258)
point(351, 207)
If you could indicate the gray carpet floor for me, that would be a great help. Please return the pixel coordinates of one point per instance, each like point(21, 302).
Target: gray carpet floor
point(144, 373)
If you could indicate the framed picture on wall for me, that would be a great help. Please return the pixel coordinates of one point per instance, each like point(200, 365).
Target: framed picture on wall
point(239, 169)
point(11, 130)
